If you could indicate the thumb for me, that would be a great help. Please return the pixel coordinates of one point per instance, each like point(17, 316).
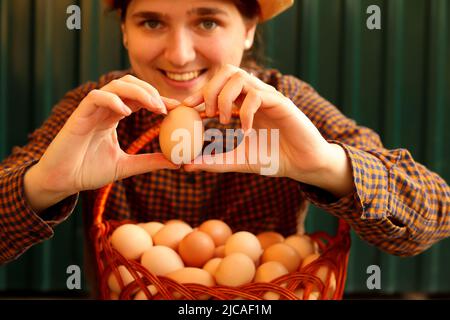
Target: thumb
point(132, 165)
point(232, 161)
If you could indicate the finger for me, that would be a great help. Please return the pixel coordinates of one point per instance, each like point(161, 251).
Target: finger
point(229, 94)
point(212, 90)
point(132, 92)
point(255, 82)
point(209, 94)
point(236, 160)
point(171, 103)
point(131, 165)
point(136, 95)
point(194, 100)
point(251, 104)
point(200, 107)
point(147, 87)
point(210, 163)
point(102, 99)
point(99, 110)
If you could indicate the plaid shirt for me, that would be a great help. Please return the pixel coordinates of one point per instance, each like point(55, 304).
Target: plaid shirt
point(397, 205)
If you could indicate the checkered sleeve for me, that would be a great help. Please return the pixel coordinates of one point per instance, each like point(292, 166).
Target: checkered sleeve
point(20, 227)
point(397, 204)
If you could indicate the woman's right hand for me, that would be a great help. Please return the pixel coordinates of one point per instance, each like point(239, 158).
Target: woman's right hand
point(85, 154)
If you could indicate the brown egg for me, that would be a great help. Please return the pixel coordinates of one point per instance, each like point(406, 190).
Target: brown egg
point(235, 270)
point(211, 265)
point(269, 238)
point(313, 295)
point(218, 230)
point(151, 227)
point(244, 242)
point(196, 248)
point(113, 282)
point(303, 244)
point(309, 259)
point(131, 241)
point(161, 260)
point(219, 252)
point(171, 235)
point(141, 294)
point(175, 221)
point(284, 254)
point(181, 135)
point(192, 275)
point(270, 271)
point(323, 274)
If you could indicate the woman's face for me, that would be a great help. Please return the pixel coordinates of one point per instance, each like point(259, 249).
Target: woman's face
point(178, 45)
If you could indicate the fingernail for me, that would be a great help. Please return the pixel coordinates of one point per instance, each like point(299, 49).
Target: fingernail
point(196, 98)
point(154, 102)
point(162, 104)
point(189, 100)
point(159, 104)
point(163, 110)
point(170, 101)
point(127, 110)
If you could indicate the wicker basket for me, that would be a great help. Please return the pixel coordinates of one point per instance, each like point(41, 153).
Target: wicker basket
point(333, 259)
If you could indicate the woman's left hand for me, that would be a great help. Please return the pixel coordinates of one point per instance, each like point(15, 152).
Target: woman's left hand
point(302, 149)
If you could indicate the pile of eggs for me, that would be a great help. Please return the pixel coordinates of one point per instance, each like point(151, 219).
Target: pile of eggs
point(212, 255)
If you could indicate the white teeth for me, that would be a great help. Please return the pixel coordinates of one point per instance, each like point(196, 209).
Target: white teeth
point(183, 76)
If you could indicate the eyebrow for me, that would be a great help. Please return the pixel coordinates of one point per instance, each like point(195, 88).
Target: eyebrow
point(207, 12)
point(202, 11)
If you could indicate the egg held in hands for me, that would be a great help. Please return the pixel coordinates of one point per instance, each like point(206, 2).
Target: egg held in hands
point(181, 135)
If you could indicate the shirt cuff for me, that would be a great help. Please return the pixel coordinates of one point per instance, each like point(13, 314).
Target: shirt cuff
point(22, 226)
point(369, 199)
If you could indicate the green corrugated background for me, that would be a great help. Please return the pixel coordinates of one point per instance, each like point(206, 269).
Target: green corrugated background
point(396, 81)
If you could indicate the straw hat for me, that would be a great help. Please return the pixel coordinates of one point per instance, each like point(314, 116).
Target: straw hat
point(269, 8)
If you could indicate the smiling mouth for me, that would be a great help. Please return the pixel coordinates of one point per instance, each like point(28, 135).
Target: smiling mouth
point(183, 77)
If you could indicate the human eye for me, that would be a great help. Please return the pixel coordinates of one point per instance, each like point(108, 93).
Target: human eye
point(152, 24)
point(208, 24)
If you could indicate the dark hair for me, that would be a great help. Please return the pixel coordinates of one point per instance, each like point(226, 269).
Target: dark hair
point(253, 58)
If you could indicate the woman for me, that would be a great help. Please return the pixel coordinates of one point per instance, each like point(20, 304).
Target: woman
point(194, 52)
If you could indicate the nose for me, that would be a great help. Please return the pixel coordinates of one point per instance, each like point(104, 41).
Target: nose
point(180, 49)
